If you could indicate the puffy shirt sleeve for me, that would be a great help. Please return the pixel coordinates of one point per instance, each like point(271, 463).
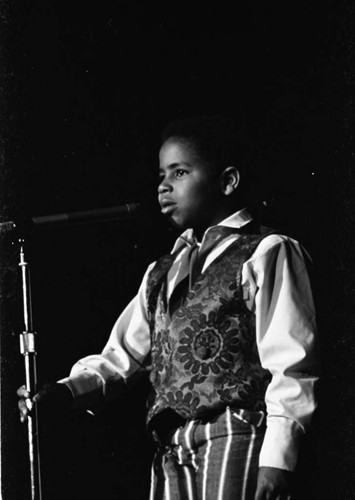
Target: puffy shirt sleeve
point(280, 294)
point(103, 376)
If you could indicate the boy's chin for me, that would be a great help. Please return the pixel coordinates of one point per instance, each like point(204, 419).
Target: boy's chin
point(178, 224)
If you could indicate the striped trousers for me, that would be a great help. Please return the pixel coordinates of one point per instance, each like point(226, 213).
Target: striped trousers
point(217, 460)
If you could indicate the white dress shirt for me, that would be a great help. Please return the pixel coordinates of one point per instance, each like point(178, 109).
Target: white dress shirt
point(277, 289)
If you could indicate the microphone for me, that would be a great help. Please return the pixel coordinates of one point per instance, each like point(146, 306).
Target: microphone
point(127, 211)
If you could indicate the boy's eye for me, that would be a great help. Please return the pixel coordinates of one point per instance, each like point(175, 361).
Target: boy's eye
point(180, 172)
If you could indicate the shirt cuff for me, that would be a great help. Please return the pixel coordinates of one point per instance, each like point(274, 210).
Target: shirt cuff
point(85, 388)
point(281, 444)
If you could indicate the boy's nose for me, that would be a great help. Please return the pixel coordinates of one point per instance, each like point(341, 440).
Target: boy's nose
point(164, 187)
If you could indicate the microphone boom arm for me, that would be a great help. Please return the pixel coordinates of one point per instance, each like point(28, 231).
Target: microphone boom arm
point(127, 211)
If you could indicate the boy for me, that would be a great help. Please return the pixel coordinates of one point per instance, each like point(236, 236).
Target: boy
point(226, 326)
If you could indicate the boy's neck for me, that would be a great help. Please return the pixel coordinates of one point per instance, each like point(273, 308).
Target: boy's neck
point(200, 231)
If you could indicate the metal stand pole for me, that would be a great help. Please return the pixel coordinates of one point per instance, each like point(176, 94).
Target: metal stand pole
point(28, 349)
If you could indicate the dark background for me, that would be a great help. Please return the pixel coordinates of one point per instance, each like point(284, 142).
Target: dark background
point(85, 89)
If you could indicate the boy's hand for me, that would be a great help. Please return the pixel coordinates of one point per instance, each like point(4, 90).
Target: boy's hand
point(25, 403)
point(273, 484)
point(52, 399)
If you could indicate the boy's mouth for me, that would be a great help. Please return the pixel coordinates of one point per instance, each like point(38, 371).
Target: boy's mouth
point(167, 206)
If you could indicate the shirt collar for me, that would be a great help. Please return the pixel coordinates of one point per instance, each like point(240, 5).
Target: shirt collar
point(236, 220)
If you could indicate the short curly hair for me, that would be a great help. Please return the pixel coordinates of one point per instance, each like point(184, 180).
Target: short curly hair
point(218, 139)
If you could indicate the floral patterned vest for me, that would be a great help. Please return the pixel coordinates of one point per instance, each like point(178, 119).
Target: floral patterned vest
point(205, 356)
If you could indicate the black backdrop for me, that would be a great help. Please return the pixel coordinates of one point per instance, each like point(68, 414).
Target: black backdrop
point(85, 90)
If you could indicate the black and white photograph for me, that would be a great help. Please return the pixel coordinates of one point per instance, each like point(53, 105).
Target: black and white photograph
point(177, 250)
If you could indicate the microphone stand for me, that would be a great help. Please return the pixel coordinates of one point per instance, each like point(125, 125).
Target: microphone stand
point(28, 350)
point(28, 336)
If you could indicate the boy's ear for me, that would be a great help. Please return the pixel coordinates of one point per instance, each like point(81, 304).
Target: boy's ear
point(230, 179)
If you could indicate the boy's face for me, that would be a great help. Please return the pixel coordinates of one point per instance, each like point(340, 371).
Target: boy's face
point(189, 192)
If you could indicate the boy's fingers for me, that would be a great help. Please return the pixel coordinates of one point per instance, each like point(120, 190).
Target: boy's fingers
point(22, 392)
point(24, 406)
